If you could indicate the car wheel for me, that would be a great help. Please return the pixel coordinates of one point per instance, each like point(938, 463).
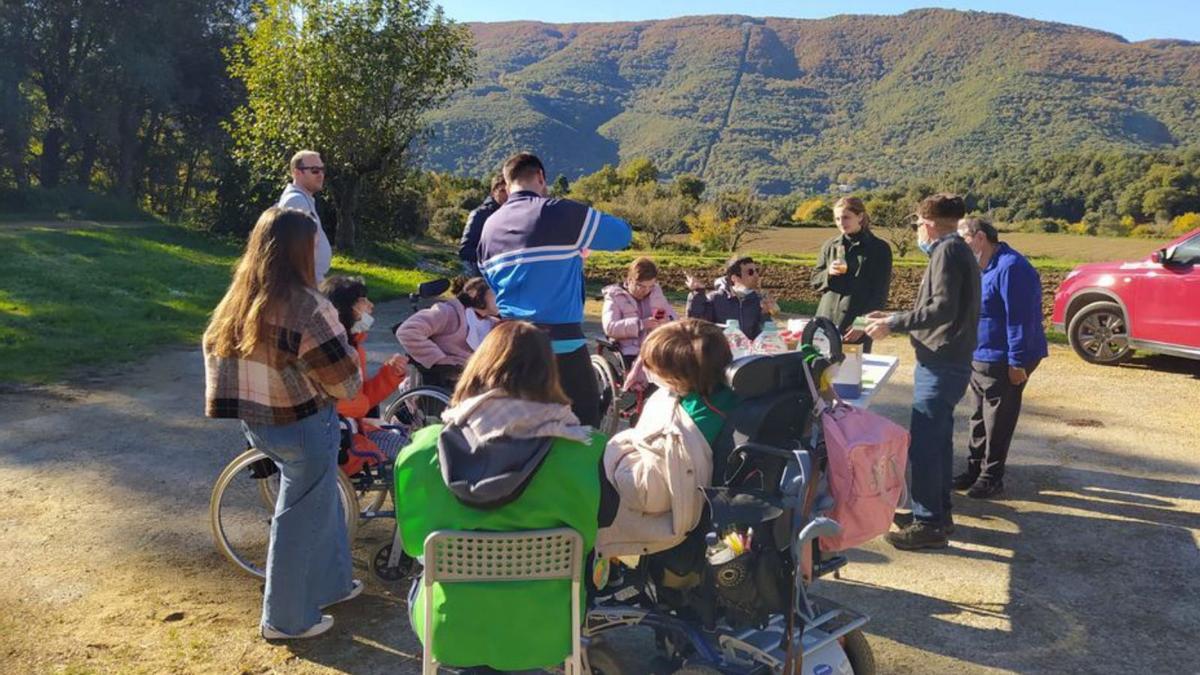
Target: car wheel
point(1099, 333)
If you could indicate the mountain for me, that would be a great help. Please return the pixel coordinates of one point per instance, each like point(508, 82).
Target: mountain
point(784, 104)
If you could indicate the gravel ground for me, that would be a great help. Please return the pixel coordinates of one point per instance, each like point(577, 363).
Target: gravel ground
point(1088, 565)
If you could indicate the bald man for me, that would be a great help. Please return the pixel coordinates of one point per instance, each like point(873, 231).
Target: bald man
point(308, 177)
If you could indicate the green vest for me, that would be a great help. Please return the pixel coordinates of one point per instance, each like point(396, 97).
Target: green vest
point(511, 625)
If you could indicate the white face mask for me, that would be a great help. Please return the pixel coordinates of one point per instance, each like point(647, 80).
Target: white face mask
point(477, 328)
point(363, 324)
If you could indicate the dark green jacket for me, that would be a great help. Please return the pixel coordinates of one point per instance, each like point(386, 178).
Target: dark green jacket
point(864, 286)
point(515, 625)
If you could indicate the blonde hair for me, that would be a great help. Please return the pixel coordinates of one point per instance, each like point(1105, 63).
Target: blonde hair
point(689, 355)
point(277, 263)
point(515, 358)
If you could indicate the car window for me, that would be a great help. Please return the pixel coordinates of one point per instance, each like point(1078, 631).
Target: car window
point(1187, 253)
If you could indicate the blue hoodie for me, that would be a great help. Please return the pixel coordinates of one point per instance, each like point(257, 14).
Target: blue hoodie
point(1010, 312)
point(531, 253)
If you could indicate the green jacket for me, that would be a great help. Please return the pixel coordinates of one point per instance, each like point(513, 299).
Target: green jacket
point(514, 625)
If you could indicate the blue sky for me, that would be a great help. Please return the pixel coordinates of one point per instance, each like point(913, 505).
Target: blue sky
point(1133, 19)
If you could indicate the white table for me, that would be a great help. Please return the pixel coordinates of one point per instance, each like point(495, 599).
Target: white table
point(877, 370)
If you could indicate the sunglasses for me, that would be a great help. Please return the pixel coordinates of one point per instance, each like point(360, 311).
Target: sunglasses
point(749, 272)
point(315, 170)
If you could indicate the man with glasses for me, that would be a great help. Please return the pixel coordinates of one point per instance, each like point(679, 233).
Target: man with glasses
point(942, 329)
point(737, 296)
point(308, 177)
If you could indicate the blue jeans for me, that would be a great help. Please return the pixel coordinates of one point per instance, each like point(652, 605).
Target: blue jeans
point(937, 388)
point(308, 560)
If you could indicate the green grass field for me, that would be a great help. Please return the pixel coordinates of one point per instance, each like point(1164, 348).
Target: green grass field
point(105, 294)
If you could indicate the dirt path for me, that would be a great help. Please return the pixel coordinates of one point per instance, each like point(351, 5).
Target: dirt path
point(1089, 565)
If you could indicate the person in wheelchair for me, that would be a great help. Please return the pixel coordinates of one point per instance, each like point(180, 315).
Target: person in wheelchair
point(659, 466)
point(441, 338)
point(511, 456)
point(364, 443)
point(633, 309)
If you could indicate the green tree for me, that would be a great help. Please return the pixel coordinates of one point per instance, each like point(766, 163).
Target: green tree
point(745, 215)
point(637, 171)
point(560, 187)
point(890, 217)
point(602, 186)
point(654, 212)
point(689, 186)
point(352, 80)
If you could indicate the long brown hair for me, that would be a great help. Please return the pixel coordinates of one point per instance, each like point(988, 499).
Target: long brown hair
point(515, 358)
point(689, 355)
point(278, 262)
point(856, 206)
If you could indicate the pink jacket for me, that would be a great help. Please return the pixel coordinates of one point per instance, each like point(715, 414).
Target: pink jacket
point(437, 335)
point(622, 315)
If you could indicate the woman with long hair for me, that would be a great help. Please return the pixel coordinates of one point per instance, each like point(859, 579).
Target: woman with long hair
point(510, 456)
point(854, 268)
point(276, 358)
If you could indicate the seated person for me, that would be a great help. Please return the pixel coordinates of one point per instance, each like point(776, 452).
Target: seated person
point(511, 456)
point(659, 466)
point(367, 442)
point(633, 309)
point(442, 337)
point(737, 296)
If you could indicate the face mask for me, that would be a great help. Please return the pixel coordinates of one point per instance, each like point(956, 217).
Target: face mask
point(363, 324)
point(740, 290)
point(925, 246)
point(477, 329)
point(978, 258)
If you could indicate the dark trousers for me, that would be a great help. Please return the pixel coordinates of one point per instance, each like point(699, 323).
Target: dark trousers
point(937, 388)
point(579, 384)
point(997, 405)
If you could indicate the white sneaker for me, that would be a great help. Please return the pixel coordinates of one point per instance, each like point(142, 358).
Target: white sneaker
point(319, 627)
point(356, 589)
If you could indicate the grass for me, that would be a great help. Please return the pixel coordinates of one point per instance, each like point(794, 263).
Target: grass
point(106, 295)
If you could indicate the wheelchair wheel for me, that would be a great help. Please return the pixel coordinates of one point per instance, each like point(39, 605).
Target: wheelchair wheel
point(369, 494)
point(417, 408)
point(858, 652)
point(241, 518)
point(610, 395)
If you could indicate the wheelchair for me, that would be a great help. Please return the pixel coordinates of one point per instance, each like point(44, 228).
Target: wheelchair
point(616, 405)
point(751, 612)
point(243, 498)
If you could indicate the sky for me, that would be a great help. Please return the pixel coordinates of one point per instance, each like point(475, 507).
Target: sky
point(1132, 19)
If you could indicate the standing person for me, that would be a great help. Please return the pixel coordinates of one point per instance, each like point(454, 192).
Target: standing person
point(1012, 342)
point(737, 296)
point(531, 253)
point(854, 269)
point(633, 309)
point(941, 328)
point(308, 177)
point(276, 357)
point(468, 246)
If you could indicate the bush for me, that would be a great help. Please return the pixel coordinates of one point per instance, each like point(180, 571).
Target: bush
point(69, 202)
point(1148, 231)
point(1185, 223)
point(447, 224)
point(1081, 228)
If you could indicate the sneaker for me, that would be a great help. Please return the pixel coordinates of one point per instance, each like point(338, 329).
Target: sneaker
point(902, 519)
point(965, 480)
point(918, 536)
point(318, 628)
point(356, 589)
point(986, 489)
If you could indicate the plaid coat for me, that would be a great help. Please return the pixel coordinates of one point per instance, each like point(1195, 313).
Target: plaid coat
point(303, 365)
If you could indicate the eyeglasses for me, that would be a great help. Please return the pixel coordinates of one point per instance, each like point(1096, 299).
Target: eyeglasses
point(315, 170)
point(749, 272)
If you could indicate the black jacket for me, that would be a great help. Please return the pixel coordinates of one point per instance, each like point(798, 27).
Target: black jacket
point(468, 246)
point(863, 288)
point(943, 324)
point(723, 304)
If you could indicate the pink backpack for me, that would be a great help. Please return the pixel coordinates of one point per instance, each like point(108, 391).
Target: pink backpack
point(867, 456)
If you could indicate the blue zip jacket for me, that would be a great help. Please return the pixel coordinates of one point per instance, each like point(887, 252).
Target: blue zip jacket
point(1010, 312)
point(531, 253)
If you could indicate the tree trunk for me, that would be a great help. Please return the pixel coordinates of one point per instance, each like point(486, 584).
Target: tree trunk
point(50, 170)
point(87, 161)
point(345, 199)
point(127, 147)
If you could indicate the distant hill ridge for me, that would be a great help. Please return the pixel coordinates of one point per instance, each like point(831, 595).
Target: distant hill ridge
point(785, 104)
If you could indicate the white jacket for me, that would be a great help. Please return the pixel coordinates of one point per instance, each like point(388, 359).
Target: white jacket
point(657, 468)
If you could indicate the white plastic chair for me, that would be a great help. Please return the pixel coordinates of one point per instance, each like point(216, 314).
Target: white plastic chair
point(529, 555)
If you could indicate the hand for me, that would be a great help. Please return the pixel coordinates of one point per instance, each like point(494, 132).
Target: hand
point(878, 329)
point(693, 283)
point(853, 336)
point(651, 323)
point(397, 362)
point(879, 315)
point(768, 304)
point(838, 267)
point(1017, 376)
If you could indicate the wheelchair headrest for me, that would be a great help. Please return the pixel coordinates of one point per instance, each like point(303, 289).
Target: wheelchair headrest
point(760, 375)
point(434, 288)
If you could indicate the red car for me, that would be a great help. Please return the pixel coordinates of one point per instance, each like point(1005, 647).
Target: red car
point(1110, 309)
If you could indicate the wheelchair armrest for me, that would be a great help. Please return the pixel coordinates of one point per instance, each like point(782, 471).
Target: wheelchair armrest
point(763, 449)
point(819, 527)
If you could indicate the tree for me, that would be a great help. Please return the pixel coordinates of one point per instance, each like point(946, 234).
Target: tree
point(814, 210)
point(560, 187)
point(689, 186)
point(1184, 224)
point(746, 214)
point(602, 186)
point(652, 211)
point(709, 230)
point(637, 171)
point(892, 218)
point(352, 80)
